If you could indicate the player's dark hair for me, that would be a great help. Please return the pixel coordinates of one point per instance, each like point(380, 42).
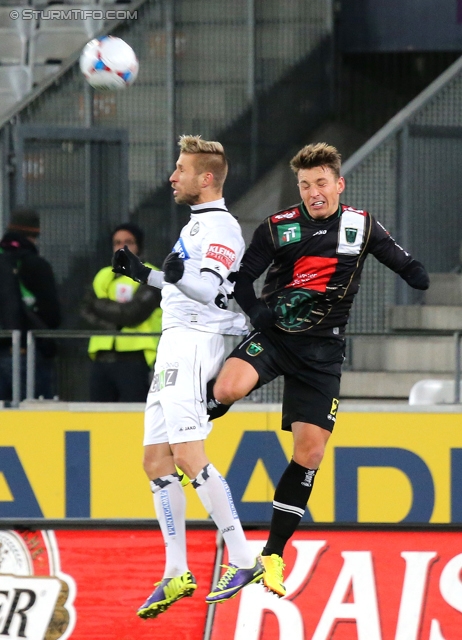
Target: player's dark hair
point(319, 154)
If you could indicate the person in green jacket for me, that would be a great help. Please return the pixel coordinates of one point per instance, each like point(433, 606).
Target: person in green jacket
point(121, 365)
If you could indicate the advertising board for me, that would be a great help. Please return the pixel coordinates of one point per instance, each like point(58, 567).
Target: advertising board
point(355, 585)
point(379, 467)
point(88, 584)
point(343, 583)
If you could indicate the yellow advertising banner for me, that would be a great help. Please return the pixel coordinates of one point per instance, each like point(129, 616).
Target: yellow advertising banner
point(379, 467)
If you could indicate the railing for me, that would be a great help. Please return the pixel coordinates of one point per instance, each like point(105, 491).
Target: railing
point(15, 336)
point(457, 335)
point(66, 334)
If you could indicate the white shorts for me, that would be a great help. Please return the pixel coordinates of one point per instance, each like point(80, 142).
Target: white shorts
point(176, 404)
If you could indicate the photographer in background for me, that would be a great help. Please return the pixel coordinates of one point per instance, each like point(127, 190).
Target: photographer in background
point(121, 365)
point(28, 300)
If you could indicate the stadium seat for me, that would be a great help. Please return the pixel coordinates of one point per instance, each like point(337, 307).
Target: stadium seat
point(15, 83)
point(14, 35)
point(57, 39)
point(432, 392)
point(42, 71)
point(14, 3)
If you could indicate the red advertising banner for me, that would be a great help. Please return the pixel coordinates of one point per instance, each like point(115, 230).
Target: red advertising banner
point(87, 585)
point(355, 585)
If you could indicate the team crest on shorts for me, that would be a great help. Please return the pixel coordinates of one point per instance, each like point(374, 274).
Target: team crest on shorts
point(254, 349)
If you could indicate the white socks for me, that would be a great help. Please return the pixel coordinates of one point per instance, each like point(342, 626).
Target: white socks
point(170, 506)
point(215, 495)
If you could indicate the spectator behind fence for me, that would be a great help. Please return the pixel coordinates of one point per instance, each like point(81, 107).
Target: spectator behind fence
point(121, 365)
point(28, 300)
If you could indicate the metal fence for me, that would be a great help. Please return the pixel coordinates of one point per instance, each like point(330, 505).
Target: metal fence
point(86, 160)
point(270, 393)
point(224, 70)
point(406, 176)
point(254, 74)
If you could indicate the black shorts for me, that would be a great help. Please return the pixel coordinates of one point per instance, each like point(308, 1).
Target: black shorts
point(311, 367)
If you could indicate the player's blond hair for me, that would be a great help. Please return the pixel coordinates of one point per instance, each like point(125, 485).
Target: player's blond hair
point(210, 157)
point(319, 154)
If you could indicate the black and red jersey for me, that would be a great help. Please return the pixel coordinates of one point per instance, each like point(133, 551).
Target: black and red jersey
point(315, 265)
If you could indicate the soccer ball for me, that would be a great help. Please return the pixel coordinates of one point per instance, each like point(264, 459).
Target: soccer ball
point(109, 63)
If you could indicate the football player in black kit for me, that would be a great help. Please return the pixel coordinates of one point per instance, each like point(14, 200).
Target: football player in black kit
point(315, 252)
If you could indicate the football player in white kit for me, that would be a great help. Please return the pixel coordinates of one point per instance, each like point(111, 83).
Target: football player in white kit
point(191, 351)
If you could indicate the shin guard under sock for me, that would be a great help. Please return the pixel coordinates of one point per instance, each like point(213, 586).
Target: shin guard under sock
point(290, 500)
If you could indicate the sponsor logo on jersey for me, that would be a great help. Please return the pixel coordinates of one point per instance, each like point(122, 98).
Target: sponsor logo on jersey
point(222, 254)
point(289, 233)
point(181, 249)
point(322, 232)
point(194, 230)
point(350, 234)
point(313, 272)
point(347, 208)
point(254, 349)
point(294, 308)
point(285, 215)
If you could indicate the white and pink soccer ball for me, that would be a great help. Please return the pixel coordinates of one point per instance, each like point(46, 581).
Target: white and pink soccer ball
point(109, 63)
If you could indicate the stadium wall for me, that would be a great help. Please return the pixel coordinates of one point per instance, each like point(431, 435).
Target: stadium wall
point(383, 464)
point(343, 583)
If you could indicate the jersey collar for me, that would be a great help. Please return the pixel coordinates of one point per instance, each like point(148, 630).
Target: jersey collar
point(209, 206)
point(304, 210)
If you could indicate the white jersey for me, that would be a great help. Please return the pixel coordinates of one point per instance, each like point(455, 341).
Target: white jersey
point(211, 241)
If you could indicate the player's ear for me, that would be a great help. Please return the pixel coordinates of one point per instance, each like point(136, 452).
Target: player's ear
point(341, 185)
point(207, 179)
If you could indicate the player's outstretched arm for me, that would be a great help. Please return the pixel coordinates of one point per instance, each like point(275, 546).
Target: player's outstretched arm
point(128, 264)
point(415, 275)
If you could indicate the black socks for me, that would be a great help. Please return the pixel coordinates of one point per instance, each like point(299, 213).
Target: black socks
point(215, 409)
point(290, 499)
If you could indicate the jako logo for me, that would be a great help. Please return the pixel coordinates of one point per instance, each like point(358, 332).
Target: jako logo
point(227, 529)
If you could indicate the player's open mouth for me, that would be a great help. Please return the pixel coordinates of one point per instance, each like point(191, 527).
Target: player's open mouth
point(319, 203)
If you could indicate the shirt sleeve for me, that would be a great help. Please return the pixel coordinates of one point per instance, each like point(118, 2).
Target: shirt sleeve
point(260, 253)
point(203, 289)
point(222, 249)
point(386, 249)
point(156, 279)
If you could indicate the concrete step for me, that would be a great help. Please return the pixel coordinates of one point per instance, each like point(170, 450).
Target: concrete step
point(426, 318)
point(382, 385)
point(431, 354)
point(444, 289)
